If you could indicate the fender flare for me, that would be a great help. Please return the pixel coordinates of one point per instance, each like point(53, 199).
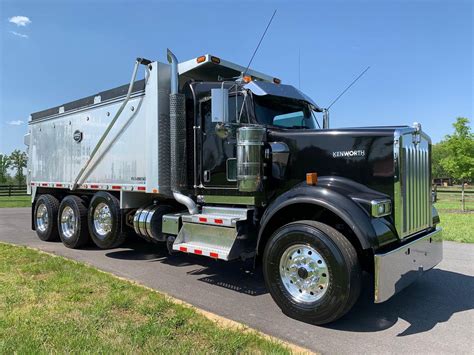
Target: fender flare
point(332, 199)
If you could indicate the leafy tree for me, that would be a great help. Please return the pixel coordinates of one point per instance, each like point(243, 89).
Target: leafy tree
point(438, 153)
point(459, 162)
point(18, 161)
point(5, 163)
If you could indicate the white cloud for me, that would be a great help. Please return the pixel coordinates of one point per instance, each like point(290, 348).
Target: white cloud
point(20, 20)
point(15, 123)
point(19, 34)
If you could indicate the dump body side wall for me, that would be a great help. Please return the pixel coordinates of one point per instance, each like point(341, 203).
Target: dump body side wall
point(129, 155)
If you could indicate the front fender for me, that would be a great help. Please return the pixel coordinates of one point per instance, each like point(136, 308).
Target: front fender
point(343, 198)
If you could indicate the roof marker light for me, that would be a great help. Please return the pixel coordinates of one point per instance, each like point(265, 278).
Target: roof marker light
point(215, 60)
point(247, 79)
point(276, 81)
point(201, 59)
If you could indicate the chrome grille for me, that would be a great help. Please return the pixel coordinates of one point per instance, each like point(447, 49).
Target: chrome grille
point(412, 156)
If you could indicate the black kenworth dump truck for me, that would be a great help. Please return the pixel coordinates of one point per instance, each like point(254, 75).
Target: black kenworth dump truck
point(209, 158)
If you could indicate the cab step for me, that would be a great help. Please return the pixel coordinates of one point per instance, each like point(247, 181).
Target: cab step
point(216, 232)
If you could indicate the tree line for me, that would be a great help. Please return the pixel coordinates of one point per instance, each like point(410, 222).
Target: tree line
point(453, 157)
point(17, 162)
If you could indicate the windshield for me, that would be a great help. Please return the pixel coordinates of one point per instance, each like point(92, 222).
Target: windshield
point(283, 112)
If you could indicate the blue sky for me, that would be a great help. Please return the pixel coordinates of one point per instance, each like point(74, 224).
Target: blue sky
point(420, 53)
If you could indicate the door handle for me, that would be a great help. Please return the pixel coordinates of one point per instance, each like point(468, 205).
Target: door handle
point(207, 175)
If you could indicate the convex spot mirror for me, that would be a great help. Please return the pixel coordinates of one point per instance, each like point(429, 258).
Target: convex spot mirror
point(220, 105)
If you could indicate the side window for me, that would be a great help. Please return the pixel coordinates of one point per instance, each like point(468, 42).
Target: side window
point(238, 109)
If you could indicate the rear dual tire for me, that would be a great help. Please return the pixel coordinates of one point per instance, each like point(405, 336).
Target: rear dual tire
point(45, 217)
point(104, 221)
point(72, 222)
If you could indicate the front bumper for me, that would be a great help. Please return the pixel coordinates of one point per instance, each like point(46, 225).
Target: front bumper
point(398, 268)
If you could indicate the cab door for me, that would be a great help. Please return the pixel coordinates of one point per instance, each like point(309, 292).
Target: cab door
point(218, 156)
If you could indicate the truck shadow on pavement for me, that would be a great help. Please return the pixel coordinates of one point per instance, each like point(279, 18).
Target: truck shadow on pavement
point(433, 299)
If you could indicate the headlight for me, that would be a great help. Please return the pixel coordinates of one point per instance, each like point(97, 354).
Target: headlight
point(381, 208)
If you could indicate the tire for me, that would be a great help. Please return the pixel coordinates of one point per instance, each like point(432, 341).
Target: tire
point(325, 280)
point(45, 218)
point(106, 233)
point(72, 222)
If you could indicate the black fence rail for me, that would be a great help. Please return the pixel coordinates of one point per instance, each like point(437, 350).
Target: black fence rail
point(12, 190)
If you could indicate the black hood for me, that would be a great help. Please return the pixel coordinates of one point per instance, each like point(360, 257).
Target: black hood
point(364, 155)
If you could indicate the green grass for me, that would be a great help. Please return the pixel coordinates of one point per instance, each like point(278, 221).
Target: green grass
point(53, 305)
point(458, 226)
point(15, 201)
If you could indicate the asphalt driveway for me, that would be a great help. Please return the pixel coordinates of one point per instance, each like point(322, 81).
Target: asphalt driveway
point(434, 315)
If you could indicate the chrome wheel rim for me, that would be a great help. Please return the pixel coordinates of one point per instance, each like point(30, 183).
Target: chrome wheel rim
point(42, 218)
point(102, 220)
point(68, 222)
point(304, 273)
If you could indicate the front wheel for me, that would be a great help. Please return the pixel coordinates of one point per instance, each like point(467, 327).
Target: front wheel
point(312, 272)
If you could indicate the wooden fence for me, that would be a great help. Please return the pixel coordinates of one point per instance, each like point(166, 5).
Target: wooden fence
point(12, 190)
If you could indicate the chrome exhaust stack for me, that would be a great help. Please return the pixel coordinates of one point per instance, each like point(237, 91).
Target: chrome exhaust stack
point(178, 139)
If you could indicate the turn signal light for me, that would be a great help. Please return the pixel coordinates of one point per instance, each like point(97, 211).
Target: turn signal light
point(311, 179)
point(201, 59)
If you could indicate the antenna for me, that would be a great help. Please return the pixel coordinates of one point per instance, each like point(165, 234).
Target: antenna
point(258, 45)
point(326, 110)
point(299, 68)
point(347, 88)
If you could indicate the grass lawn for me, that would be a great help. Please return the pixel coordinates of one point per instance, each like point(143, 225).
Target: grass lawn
point(458, 226)
point(15, 201)
point(54, 305)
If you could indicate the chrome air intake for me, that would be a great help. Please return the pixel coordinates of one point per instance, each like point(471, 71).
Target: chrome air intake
point(249, 157)
point(412, 185)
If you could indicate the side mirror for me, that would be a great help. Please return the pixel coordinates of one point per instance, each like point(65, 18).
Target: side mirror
point(220, 105)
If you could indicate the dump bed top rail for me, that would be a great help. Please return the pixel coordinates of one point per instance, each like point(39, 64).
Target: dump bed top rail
point(206, 67)
point(120, 91)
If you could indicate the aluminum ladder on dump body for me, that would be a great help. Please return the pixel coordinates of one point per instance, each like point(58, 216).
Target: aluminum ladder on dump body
point(216, 232)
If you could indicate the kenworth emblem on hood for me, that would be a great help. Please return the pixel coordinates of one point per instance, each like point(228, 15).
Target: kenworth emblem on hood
point(348, 153)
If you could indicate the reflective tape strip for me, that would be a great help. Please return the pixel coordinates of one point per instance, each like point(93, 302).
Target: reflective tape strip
point(141, 188)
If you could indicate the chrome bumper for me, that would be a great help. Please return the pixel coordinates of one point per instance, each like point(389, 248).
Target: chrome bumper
point(398, 268)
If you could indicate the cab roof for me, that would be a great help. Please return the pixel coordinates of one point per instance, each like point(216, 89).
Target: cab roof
point(212, 68)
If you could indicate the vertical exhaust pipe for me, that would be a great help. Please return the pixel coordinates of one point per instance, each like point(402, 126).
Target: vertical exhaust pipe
point(178, 139)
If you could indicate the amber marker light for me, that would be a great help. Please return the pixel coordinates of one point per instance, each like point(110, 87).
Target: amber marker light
point(247, 79)
point(311, 178)
point(215, 60)
point(201, 59)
